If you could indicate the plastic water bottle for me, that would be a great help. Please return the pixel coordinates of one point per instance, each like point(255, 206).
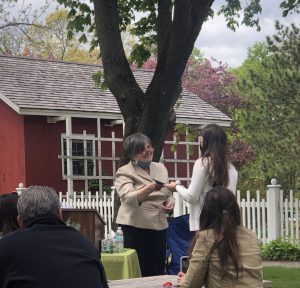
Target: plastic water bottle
point(119, 240)
point(104, 246)
point(110, 245)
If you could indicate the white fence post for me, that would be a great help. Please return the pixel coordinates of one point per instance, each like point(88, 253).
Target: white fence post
point(271, 219)
point(273, 196)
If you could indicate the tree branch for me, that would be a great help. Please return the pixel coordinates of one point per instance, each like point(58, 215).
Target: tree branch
point(117, 72)
point(189, 16)
point(18, 24)
point(165, 87)
point(164, 21)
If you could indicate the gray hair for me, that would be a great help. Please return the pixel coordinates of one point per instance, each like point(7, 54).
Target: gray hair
point(36, 201)
point(135, 144)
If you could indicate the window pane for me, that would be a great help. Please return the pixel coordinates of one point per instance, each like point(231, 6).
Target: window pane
point(90, 167)
point(65, 147)
point(78, 150)
point(89, 148)
point(78, 167)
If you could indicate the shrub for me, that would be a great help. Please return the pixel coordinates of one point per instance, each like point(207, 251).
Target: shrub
point(280, 249)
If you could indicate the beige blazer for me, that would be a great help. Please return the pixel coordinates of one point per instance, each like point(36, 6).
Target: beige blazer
point(204, 266)
point(150, 213)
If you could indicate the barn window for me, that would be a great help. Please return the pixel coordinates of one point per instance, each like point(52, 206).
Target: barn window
point(79, 157)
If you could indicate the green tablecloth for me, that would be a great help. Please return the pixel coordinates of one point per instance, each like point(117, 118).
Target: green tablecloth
point(123, 265)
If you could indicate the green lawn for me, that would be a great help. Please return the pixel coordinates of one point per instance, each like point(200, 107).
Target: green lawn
point(283, 277)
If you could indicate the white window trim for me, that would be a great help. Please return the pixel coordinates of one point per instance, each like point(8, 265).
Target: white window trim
point(87, 137)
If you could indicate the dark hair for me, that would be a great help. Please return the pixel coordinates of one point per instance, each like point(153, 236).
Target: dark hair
point(135, 144)
point(221, 213)
point(215, 147)
point(8, 212)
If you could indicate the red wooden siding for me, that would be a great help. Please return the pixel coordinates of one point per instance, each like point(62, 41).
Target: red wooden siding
point(30, 148)
point(12, 164)
point(43, 146)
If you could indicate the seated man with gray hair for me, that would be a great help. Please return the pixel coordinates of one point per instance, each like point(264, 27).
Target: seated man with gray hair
point(45, 252)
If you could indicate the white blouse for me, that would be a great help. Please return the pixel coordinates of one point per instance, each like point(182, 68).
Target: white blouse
point(199, 187)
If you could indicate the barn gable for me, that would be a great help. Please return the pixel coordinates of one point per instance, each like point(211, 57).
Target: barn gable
point(67, 133)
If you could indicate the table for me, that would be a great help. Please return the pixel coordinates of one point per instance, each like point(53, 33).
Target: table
point(123, 265)
point(154, 282)
point(149, 282)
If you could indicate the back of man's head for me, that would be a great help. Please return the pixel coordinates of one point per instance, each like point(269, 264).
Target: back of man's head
point(36, 201)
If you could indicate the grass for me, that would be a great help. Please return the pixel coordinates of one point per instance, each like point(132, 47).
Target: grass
point(282, 277)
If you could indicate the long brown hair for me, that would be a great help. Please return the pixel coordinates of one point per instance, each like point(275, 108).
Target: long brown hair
point(8, 212)
point(215, 150)
point(221, 213)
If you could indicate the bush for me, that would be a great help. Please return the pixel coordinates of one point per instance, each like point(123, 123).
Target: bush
point(280, 249)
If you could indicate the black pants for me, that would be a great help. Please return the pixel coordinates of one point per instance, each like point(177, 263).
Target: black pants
point(150, 246)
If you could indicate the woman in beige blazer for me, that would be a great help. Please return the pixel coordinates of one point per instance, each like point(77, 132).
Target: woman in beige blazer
point(224, 254)
point(144, 204)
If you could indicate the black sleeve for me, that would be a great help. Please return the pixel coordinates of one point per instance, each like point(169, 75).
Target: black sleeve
point(3, 267)
point(103, 276)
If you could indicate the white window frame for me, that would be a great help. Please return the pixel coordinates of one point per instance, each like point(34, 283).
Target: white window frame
point(80, 137)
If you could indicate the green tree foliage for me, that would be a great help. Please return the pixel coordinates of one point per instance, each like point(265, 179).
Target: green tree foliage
point(50, 40)
point(25, 34)
point(289, 5)
point(171, 27)
point(270, 79)
point(24, 16)
point(213, 82)
point(16, 17)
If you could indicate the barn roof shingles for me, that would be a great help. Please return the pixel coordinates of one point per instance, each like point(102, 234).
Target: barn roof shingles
point(45, 85)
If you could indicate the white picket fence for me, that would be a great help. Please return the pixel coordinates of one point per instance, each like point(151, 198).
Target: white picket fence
point(104, 204)
point(270, 218)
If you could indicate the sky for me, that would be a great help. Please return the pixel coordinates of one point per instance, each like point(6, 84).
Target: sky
point(217, 41)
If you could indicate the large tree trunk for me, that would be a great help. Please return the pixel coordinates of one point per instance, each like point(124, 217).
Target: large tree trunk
point(149, 112)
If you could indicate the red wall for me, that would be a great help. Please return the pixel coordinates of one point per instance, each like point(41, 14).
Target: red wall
point(12, 163)
point(43, 146)
point(182, 167)
point(42, 142)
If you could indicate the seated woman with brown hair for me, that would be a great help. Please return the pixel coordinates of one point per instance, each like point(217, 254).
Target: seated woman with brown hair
point(224, 253)
point(8, 213)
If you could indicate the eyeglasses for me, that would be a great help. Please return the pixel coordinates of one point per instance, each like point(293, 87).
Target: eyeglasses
point(147, 149)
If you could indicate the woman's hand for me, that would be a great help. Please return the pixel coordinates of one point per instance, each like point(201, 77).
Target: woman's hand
point(154, 186)
point(158, 185)
point(169, 205)
point(171, 186)
point(145, 191)
point(151, 187)
point(180, 278)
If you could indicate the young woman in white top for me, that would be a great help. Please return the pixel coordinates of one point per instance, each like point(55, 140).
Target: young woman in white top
point(212, 169)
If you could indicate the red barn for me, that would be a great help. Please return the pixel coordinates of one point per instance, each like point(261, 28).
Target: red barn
point(58, 129)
